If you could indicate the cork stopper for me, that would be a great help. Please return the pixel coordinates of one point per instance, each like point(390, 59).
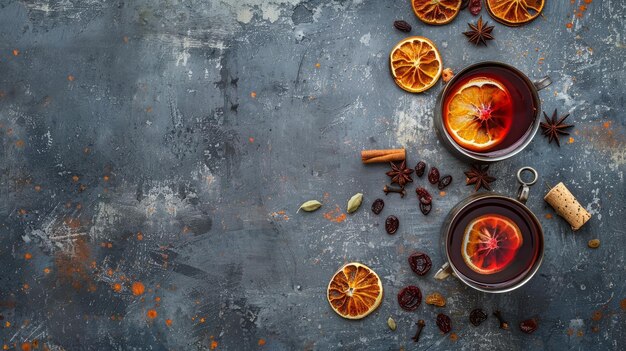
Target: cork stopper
point(566, 205)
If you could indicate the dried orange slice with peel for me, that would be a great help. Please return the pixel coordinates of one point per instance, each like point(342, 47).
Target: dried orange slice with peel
point(490, 243)
point(514, 12)
point(436, 12)
point(415, 64)
point(479, 114)
point(355, 291)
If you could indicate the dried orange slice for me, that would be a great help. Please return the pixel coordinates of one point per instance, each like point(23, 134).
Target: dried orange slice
point(436, 11)
point(514, 12)
point(415, 64)
point(479, 114)
point(355, 291)
point(490, 243)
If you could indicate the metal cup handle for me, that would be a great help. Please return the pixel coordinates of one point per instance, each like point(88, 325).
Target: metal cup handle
point(542, 83)
point(524, 189)
point(444, 272)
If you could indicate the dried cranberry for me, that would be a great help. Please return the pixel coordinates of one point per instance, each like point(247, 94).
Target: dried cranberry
point(378, 205)
point(423, 196)
point(420, 168)
point(410, 297)
point(444, 182)
point(528, 326)
point(425, 208)
point(420, 263)
point(444, 323)
point(477, 316)
point(433, 175)
point(391, 224)
point(475, 6)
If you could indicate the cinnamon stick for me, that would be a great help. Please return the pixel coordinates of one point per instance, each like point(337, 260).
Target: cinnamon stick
point(373, 156)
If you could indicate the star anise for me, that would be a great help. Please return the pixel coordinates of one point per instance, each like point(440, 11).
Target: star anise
point(479, 176)
point(400, 174)
point(479, 33)
point(552, 128)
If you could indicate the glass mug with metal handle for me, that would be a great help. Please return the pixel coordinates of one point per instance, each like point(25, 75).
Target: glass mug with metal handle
point(488, 112)
point(493, 243)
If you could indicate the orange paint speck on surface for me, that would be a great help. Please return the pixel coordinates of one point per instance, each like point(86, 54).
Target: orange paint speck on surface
point(26, 346)
point(5, 347)
point(253, 94)
point(28, 256)
point(70, 78)
point(7, 324)
point(138, 288)
point(335, 215)
point(152, 314)
point(168, 322)
point(26, 286)
point(261, 342)
point(37, 188)
point(570, 140)
point(569, 25)
point(157, 299)
point(139, 236)
point(22, 212)
point(622, 304)
point(46, 270)
point(117, 287)
point(607, 124)
point(16, 52)
point(75, 178)
point(105, 178)
point(588, 1)
point(213, 345)
point(19, 143)
point(318, 65)
point(109, 272)
point(251, 139)
point(454, 337)
point(442, 193)
point(548, 216)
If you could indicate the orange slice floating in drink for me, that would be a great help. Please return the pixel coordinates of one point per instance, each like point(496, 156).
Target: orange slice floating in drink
point(479, 114)
point(436, 12)
point(490, 243)
point(415, 64)
point(514, 12)
point(355, 291)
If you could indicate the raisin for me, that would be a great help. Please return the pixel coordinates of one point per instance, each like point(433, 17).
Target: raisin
point(464, 4)
point(433, 175)
point(436, 299)
point(444, 182)
point(528, 326)
point(391, 224)
point(402, 26)
point(410, 298)
point(475, 6)
point(423, 196)
point(378, 205)
point(420, 263)
point(425, 208)
point(420, 168)
point(477, 316)
point(444, 323)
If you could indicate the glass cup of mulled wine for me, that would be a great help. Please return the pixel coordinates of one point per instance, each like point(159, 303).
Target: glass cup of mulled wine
point(488, 112)
point(493, 243)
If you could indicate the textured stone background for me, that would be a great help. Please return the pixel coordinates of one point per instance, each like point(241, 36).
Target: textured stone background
point(170, 142)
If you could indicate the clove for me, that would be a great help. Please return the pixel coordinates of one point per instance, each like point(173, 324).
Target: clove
point(503, 324)
point(420, 325)
point(387, 189)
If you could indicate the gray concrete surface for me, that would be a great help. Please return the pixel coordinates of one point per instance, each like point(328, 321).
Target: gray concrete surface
point(170, 143)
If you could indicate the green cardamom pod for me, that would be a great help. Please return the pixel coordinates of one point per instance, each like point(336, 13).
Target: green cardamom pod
point(310, 206)
point(355, 202)
point(391, 323)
